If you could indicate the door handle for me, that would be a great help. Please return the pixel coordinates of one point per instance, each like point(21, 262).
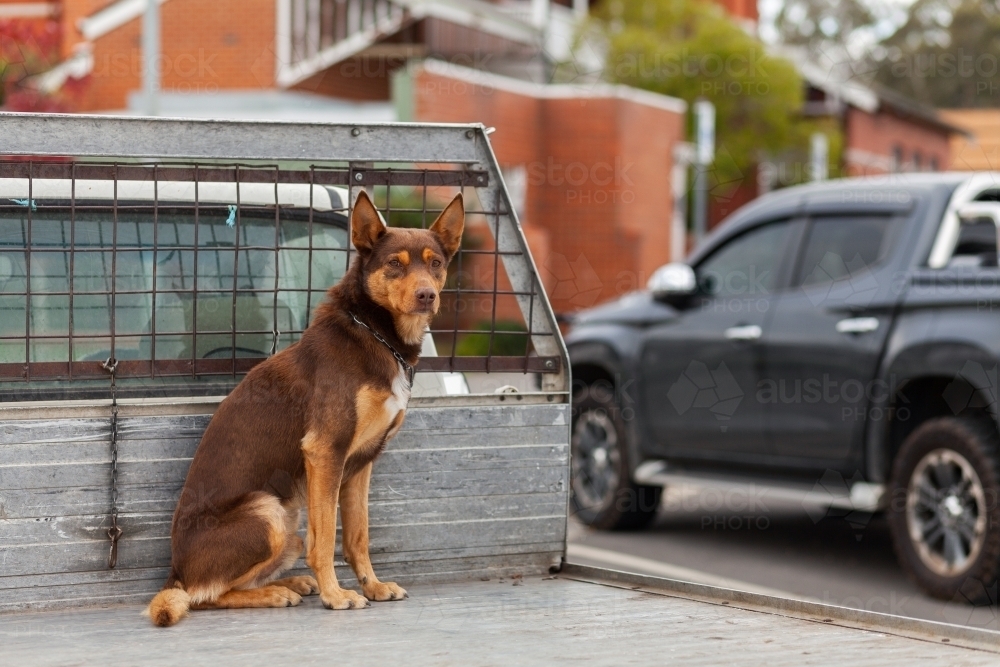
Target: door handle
point(857, 325)
point(744, 332)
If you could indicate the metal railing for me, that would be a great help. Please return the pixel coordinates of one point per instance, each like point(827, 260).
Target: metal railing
point(313, 35)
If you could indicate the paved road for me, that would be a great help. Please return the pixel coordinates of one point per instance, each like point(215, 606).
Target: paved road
point(777, 548)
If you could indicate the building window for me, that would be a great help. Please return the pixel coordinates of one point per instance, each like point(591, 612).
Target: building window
point(934, 165)
point(897, 158)
point(918, 161)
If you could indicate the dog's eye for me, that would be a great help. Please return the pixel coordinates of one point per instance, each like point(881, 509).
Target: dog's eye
point(395, 263)
point(436, 263)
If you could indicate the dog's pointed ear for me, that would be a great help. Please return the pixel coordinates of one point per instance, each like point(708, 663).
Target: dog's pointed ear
point(366, 225)
point(449, 226)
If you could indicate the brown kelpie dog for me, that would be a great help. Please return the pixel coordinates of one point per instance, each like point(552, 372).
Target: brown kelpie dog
point(303, 428)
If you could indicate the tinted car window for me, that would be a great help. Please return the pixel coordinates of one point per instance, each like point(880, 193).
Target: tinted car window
point(746, 265)
point(839, 247)
point(977, 245)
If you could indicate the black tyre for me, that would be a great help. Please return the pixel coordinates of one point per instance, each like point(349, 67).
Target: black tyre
point(602, 495)
point(943, 510)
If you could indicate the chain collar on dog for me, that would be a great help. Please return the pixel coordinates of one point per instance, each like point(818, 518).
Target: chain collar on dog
point(406, 367)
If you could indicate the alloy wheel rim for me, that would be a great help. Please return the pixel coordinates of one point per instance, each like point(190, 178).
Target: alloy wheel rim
point(946, 512)
point(595, 459)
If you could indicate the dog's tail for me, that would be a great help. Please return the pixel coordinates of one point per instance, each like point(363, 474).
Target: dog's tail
point(170, 605)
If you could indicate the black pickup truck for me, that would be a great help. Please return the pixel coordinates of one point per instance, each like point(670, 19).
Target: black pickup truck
point(838, 341)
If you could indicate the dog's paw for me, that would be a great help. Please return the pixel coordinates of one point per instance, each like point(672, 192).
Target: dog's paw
point(343, 598)
point(279, 596)
point(304, 585)
point(384, 591)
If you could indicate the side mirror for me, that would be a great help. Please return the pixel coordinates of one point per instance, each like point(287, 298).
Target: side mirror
point(673, 280)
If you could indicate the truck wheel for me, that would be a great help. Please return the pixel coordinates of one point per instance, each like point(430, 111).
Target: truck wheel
point(943, 511)
point(602, 495)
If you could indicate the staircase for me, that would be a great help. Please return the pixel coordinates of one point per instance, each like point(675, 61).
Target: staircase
point(313, 35)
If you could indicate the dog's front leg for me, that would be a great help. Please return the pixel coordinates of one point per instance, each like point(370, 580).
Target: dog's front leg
point(354, 506)
point(324, 472)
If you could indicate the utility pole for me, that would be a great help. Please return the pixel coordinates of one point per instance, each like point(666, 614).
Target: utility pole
point(704, 112)
point(151, 57)
point(819, 157)
point(683, 159)
point(540, 13)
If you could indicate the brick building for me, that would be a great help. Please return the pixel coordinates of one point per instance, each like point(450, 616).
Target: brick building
point(884, 132)
point(343, 48)
point(350, 60)
point(979, 148)
point(589, 168)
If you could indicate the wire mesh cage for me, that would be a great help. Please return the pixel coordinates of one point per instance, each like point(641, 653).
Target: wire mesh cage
point(190, 251)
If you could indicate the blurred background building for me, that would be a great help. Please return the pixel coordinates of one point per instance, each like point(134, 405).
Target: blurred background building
point(978, 148)
point(596, 161)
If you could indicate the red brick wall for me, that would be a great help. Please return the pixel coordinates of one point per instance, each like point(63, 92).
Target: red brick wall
point(72, 12)
point(646, 151)
point(207, 46)
point(363, 79)
point(727, 198)
point(441, 99)
point(878, 133)
point(598, 204)
point(31, 23)
point(744, 9)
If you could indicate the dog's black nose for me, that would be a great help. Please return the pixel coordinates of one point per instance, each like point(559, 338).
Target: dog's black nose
point(425, 296)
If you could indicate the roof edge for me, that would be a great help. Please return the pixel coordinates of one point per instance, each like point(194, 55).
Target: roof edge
point(553, 90)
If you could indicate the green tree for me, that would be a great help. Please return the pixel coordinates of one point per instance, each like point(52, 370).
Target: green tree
point(821, 24)
point(691, 49)
point(822, 27)
point(945, 54)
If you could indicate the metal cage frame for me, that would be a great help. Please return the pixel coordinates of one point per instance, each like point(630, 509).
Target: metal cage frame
point(76, 147)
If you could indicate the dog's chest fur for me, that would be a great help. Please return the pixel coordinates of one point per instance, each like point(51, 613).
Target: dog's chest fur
point(395, 404)
point(380, 415)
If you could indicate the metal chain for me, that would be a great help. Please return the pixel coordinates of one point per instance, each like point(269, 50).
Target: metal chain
point(114, 532)
point(406, 367)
